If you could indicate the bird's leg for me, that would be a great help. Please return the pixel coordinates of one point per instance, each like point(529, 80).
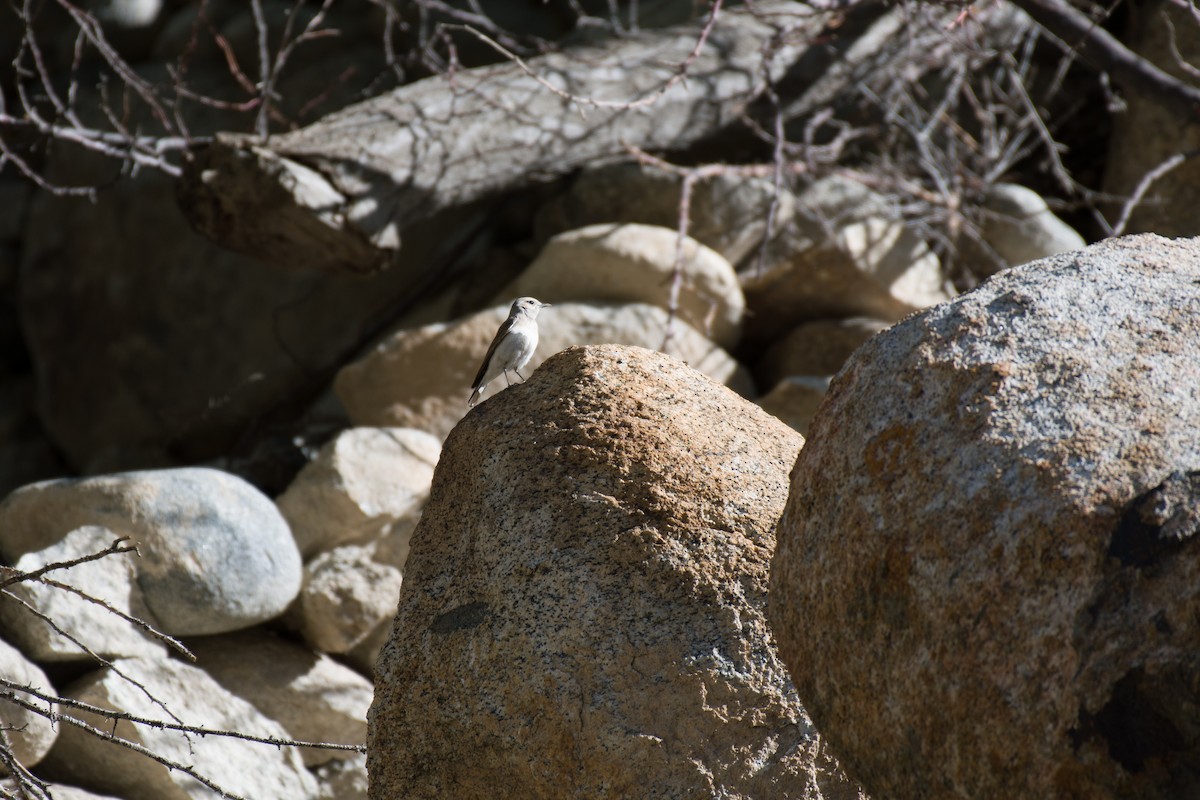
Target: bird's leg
point(519, 375)
point(506, 380)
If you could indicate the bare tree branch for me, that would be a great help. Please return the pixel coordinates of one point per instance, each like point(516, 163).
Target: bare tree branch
point(1077, 32)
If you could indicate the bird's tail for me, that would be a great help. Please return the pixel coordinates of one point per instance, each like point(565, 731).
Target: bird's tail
point(475, 395)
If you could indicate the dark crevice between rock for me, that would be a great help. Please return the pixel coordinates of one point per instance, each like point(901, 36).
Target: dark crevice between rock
point(1151, 717)
point(1159, 523)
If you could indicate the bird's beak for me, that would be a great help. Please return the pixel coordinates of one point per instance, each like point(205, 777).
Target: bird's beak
point(546, 305)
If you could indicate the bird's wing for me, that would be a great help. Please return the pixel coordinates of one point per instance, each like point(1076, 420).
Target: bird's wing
point(505, 327)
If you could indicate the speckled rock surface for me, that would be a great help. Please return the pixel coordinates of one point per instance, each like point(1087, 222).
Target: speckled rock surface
point(216, 553)
point(583, 612)
point(988, 571)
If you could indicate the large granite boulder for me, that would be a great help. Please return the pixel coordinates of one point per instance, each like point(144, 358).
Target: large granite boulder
point(583, 612)
point(989, 568)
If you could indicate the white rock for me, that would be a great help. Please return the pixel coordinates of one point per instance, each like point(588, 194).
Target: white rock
point(1020, 228)
point(312, 696)
point(112, 579)
point(29, 733)
point(896, 258)
point(635, 263)
point(343, 780)
point(361, 485)
point(258, 771)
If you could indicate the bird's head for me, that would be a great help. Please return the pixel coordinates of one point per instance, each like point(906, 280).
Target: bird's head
point(529, 306)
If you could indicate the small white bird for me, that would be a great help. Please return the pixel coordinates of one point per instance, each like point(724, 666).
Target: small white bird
point(512, 348)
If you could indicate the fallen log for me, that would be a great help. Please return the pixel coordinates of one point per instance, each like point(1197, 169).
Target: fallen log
point(339, 193)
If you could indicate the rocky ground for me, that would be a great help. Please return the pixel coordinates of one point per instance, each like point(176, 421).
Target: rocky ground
point(777, 513)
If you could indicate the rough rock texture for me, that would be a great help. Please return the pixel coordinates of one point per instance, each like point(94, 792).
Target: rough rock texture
point(988, 571)
point(421, 378)
point(29, 734)
point(814, 348)
point(635, 263)
point(312, 696)
point(361, 485)
point(583, 613)
point(727, 213)
point(216, 553)
point(112, 579)
point(259, 771)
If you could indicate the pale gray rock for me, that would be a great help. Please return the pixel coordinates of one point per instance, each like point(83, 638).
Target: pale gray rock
point(30, 734)
point(728, 213)
point(421, 378)
point(587, 589)
point(635, 263)
point(251, 770)
point(312, 696)
point(216, 555)
point(112, 579)
point(1018, 227)
point(989, 566)
point(361, 485)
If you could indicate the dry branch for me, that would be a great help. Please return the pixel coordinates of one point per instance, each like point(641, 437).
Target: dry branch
point(338, 194)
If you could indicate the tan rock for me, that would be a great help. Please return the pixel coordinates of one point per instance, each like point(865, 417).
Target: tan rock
point(988, 570)
point(848, 257)
point(583, 613)
point(29, 734)
point(112, 579)
point(634, 263)
point(347, 594)
point(795, 400)
point(727, 213)
point(421, 378)
point(1019, 227)
point(260, 771)
point(312, 696)
point(60, 792)
point(814, 348)
point(362, 484)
